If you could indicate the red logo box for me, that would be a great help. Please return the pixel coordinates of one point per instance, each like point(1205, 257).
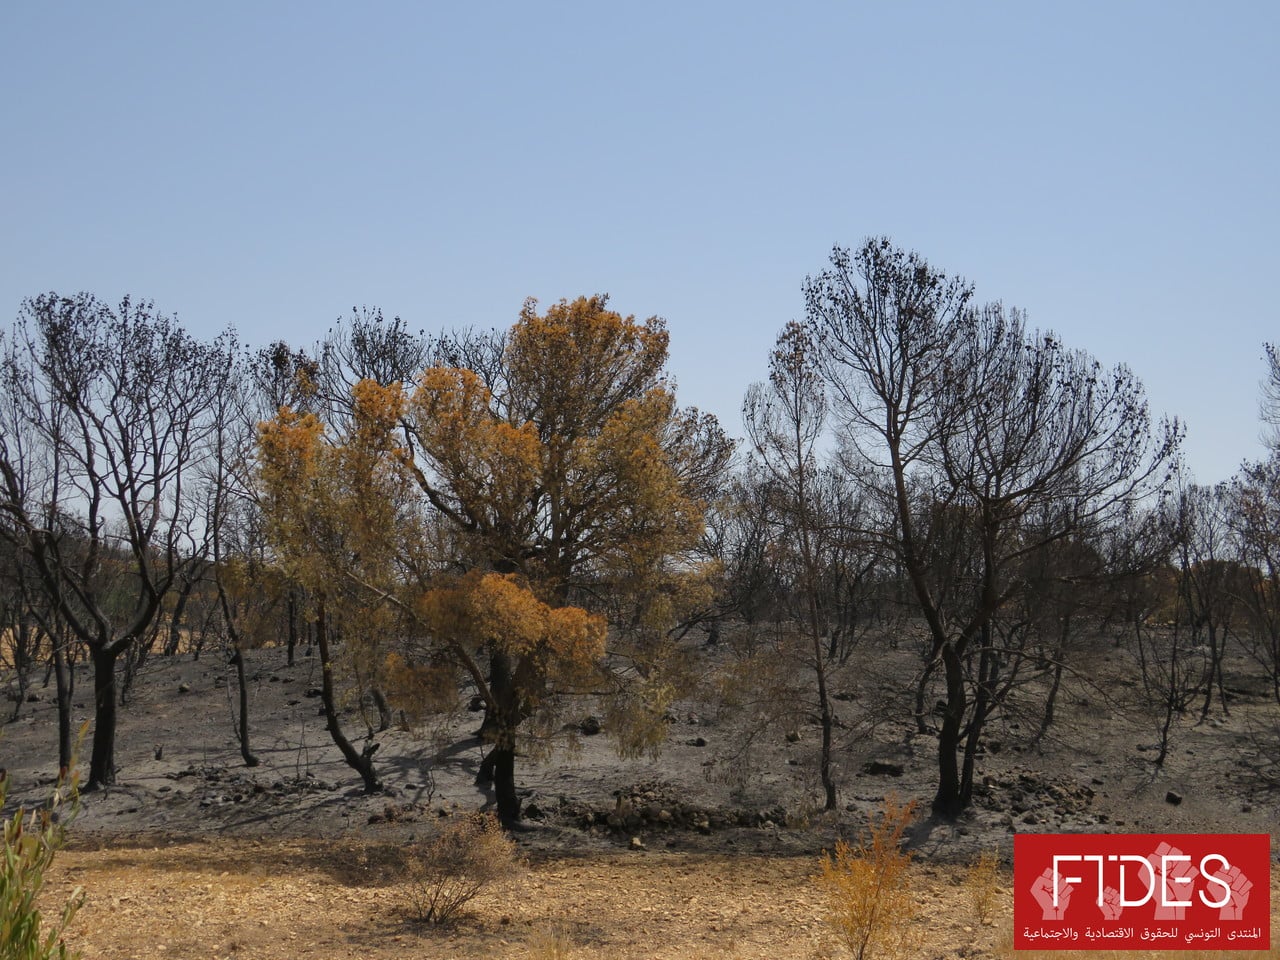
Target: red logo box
point(1142, 891)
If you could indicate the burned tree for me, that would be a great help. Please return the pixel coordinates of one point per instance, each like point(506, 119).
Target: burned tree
point(1032, 443)
point(110, 412)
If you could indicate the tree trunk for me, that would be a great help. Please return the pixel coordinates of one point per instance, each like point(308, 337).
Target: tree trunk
point(242, 725)
point(1216, 642)
point(949, 801)
point(503, 757)
point(984, 703)
point(922, 690)
point(293, 627)
point(21, 634)
point(64, 705)
point(174, 643)
point(828, 724)
point(1047, 719)
point(385, 714)
point(499, 728)
point(102, 761)
point(361, 762)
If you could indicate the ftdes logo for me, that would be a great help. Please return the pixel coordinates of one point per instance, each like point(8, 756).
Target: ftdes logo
point(1142, 891)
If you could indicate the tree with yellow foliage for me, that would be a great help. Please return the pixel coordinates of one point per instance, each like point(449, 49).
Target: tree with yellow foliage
point(562, 482)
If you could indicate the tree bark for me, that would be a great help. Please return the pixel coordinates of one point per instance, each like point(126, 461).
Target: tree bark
point(102, 761)
point(499, 728)
point(63, 687)
point(242, 726)
point(361, 762)
point(503, 757)
point(174, 642)
point(949, 801)
point(293, 627)
point(385, 714)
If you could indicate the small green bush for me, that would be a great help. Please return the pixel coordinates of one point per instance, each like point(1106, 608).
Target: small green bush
point(31, 838)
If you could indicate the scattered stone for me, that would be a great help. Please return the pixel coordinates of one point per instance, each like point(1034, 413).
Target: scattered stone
point(313, 692)
point(793, 736)
point(33, 697)
point(696, 742)
point(184, 687)
point(637, 843)
point(590, 726)
point(1173, 797)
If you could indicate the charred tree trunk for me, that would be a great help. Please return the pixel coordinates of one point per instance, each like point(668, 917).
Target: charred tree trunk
point(1051, 701)
point(949, 801)
point(237, 661)
point(359, 761)
point(922, 691)
point(63, 686)
point(385, 714)
point(1049, 705)
point(293, 627)
point(242, 724)
point(1217, 641)
point(984, 703)
point(174, 643)
point(102, 761)
point(501, 720)
point(503, 760)
point(828, 726)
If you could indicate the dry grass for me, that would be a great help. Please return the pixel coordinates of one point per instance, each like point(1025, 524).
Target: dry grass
point(869, 897)
point(447, 873)
point(229, 899)
point(980, 886)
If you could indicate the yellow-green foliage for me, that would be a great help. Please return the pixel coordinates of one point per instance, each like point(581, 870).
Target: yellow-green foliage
point(980, 886)
point(31, 838)
point(869, 898)
point(448, 872)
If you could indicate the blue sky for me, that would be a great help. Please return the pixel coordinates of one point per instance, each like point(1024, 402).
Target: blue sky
point(1109, 167)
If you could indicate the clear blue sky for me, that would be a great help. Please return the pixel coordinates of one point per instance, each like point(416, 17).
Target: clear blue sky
point(1110, 167)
